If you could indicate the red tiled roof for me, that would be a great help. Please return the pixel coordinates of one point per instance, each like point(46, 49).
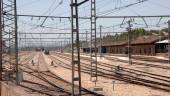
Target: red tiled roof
point(116, 43)
point(147, 39)
point(141, 40)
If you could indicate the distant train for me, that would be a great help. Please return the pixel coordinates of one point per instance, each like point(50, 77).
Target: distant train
point(46, 52)
point(39, 49)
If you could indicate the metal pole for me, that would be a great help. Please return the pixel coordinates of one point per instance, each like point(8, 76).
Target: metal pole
point(25, 42)
point(16, 41)
point(100, 41)
point(75, 48)
point(0, 44)
point(129, 42)
point(86, 37)
point(169, 42)
point(94, 76)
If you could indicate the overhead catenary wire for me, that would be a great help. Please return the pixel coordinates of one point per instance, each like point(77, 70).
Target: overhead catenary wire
point(68, 23)
point(107, 12)
point(52, 11)
point(109, 17)
point(50, 7)
point(83, 28)
point(60, 26)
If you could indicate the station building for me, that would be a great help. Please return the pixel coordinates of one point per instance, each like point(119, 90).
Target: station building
point(144, 45)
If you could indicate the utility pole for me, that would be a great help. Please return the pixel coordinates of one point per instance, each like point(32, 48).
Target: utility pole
point(169, 42)
point(10, 38)
point(129, 42)
point(86, 36)
point(93, 49)
point(76, 74)
point(100, 41)
point(61, 45)
point(16, 42)
point(86, 44)
point(25, 42)
point(1, 51)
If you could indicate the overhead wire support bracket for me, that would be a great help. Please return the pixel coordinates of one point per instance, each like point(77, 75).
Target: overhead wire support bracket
point(78, 4)
point(144, 16)
point(122, 23)
point(100, 17)
point(159, 22)
point(145, 22)
point(43, 22)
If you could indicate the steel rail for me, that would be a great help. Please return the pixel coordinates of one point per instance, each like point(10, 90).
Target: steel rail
point(147, 82)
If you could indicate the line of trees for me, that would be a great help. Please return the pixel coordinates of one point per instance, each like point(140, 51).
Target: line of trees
point(135, 33)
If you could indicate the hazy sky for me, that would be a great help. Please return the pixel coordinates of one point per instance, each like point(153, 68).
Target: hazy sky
point(41, 7)
point(62, 8)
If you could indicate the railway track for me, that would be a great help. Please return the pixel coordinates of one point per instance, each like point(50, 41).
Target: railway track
point(127, 74)
point(148, 63)
point(142, 64)
point(46, 87)
point(23, 53)
point(56, 85)
point(143, 58)
point(110, 66)
point(9, 67)
point(23, 64)
point(150, 59)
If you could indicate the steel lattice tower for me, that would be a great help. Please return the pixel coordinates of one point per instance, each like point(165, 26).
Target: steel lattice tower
point(93, 49)
point(76, 70)
point(8, 39)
